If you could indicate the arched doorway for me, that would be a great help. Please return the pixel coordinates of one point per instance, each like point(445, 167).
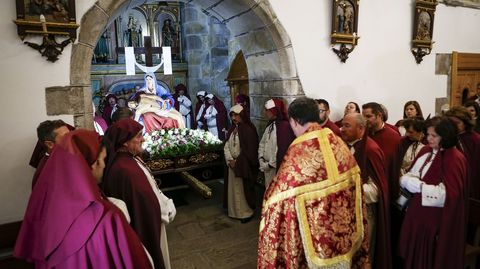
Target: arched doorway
point(238, 77)
point(255, 29)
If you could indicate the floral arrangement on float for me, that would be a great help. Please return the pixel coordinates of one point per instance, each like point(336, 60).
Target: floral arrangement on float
point(174, 143)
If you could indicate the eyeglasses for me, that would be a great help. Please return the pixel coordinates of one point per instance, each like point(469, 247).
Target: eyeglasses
point(322, 110)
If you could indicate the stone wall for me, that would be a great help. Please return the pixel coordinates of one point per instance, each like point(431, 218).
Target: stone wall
point(206, 51)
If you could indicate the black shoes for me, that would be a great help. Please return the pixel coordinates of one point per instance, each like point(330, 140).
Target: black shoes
point(245, 220)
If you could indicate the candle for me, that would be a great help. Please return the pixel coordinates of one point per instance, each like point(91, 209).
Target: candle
point(44, 24)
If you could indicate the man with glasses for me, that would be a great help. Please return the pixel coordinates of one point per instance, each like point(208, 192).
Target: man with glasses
point(325, 122)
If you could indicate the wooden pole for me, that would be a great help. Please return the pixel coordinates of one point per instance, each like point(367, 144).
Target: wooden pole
point(201, 188)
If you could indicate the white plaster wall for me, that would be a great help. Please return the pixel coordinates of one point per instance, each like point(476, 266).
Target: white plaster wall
point(380, 69)
point(24, 75)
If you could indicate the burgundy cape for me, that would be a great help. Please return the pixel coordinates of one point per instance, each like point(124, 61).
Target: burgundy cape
point(285, 136)
point(284, 132)
point(332, 126)
point(393, 127)
point(246, 165)
point(388, 140)
point(434, 237)
point(125, 180)
point(68, 224)
point(470, 145)
point(339, 123)
point(222, 118)
point(371, 161)
point(40, 167)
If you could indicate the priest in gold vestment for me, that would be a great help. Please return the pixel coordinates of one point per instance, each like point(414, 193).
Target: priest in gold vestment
point(312, 215)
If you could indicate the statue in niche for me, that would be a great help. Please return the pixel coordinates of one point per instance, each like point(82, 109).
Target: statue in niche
point(133, 34)
point(423, 32)
point(168, 34)
point(101, 51)
point(340, 18)
point(349, 17)
point(345, 17)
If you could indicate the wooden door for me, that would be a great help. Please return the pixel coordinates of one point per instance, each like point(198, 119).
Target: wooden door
point(465, 77)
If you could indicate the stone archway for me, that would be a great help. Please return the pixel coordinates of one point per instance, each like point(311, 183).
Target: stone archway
point(254, 27)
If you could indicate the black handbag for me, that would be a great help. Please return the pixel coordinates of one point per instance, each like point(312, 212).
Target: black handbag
point(402, 202)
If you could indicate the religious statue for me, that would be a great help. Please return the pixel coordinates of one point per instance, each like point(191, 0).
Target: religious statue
point(101, 51)
point(423, 32)
point(154, 107)
point(133, 34)
point(168, 34)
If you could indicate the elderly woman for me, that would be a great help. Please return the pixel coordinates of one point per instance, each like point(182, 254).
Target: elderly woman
point(433, 232)
point(241, 155)
point(129, 179)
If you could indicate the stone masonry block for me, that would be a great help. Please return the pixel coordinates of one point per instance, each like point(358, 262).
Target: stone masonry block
point(443, 63)
point(191, 13)
point(95, 21)
point(195, 28)
point(219, 52)
point(276, 88)
point(194, 42)
point(64, 100)
point(230, 8)
point(80, 64)
point(111, 6)
point(245, 23)
point(257, 41)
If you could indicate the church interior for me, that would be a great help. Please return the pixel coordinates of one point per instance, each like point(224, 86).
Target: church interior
point(260, 48)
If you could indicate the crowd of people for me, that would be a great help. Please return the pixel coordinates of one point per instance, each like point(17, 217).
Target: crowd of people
point(356, 193)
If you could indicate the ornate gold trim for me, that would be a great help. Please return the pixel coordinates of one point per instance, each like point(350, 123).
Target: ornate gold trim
point(342, 261)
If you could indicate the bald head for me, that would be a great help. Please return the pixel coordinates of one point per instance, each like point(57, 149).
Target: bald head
point(353, 127)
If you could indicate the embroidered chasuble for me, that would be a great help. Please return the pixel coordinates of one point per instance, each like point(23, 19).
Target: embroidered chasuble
point(312, 215)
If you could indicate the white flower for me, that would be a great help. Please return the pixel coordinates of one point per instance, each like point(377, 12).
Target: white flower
point(162, 132)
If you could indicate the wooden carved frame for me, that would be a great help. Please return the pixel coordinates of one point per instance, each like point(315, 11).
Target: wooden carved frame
point(423, 28)
point(344, 27)
point(47, 19)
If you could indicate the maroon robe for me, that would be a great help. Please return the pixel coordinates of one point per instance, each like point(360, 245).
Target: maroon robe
point(393, 127)
point(339, 123)
point(469, 144)
point(107, 114)
point(127, 181)
point(371, 161)
point(396, 216)
point(40, 166)
point(68, 222)
point(246, 164)
point(330, 125)
point(221, 117)
point(285, 137)
point(388, 140)
point(434, 237)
